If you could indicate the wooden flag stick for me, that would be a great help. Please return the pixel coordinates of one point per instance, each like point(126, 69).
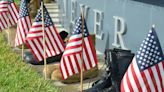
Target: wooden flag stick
point(8, 32)
point(44, 47)
point(81, 77)
point(22, 51)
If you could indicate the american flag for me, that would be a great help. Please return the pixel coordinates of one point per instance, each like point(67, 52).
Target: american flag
point(24, 24)
point(13, 13)
point(146, 72)
point(8, 14)
point(72, 56)
point(54, 43)
point(3, 6)
point(3, 15)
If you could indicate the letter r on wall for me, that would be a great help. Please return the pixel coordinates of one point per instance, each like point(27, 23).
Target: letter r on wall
point(120, 29)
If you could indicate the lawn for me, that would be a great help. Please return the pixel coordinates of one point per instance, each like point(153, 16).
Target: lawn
point(16, 76)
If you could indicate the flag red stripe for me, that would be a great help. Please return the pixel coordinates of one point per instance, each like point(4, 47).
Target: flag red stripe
point(73, 70)
point(61, 71)
point(66, 69)
point(77, 64)
point(20, 34)
point(128, 82)
point(75, 39)
point(39, 50)
point(55, 41)
point(35, 32)
point(32, 50)
point(48, 49)
point(22, 31)
point(135, 78)
point(4, 18)
point(12, 15)
point(73, 47)
point(87, 56)
point(84, 65)
point(50, 36)
point(159, 75)
point(58, 47)
point(153, 79)
point(93, 50)
point(58, 36)
point(145, 82)
point(3, 24)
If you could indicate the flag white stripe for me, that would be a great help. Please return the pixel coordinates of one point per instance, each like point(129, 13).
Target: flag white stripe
point(156, 78)
point(132, 81)
point(48, 46)
point(125, 84)
point(10, 18)
point(1, 26)
point(150, 83)
point(63, 69)
point(12, 14)
point(75, 36)
point(74, 43)
point(89, 52)
point(161, 72)
point(2, 10)
point(35, 29)
point(3, 21)
point(28, 20)
point(34, 50)
point(68, 65)
point(35, 35)
point(149, 80)
point(18, 36)
point(86, 60)
point(79, 60)
point(36, 23)
point(6, 17)
point(15, 11)
point(21, 31)
point(26, 29)
point(52, 40)
point(57, 39)
point(74, 63)
point(39, 47)
point(139, 77)
point(73, 50)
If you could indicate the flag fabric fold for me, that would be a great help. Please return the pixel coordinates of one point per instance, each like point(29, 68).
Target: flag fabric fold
point(146, 72)
point(8, 14)
point(24, 24)
point(70, 63)
point(54, 43)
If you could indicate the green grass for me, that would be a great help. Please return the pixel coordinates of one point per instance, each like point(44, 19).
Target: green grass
point(17, 2)
point(16, 76)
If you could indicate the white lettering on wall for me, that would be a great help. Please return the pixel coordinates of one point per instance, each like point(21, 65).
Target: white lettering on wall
point(73, 10)
point(119, 32)
point(86, 10)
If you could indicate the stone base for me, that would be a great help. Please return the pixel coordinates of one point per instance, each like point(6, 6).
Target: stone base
point(10, 35)
point(53, 72)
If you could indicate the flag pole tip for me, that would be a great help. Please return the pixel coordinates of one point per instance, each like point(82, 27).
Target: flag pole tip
point(153, 25)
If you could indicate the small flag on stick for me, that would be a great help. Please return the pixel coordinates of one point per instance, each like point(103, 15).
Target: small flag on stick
point(8, 14)
point(54, 43)
point(146, 72)
point(71, 60)
point(24, 24)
